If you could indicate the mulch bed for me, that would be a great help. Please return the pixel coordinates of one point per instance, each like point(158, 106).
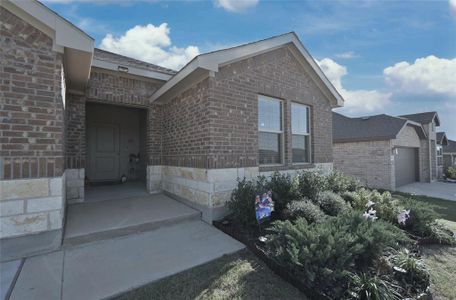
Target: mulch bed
point(250, 239)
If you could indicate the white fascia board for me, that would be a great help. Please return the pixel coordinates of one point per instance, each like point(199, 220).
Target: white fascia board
point(65, 33)
point(212, 61)
point(131, 70)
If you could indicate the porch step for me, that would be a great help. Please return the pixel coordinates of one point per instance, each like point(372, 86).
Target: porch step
point(88, 222)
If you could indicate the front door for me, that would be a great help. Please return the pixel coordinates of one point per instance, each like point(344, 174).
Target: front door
point(103, 147)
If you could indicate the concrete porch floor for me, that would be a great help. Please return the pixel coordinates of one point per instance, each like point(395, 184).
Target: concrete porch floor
point(97, 220)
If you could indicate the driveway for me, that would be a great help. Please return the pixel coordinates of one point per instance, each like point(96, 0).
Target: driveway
point(443, 190)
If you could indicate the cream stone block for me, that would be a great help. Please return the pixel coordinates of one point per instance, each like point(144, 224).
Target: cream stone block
point(24, 188)
point(56, 186)
point(214, 175)
point(73, 174)
point(220, 198)
point(23, 224)
point(55, 219)
point(227, 185)
point(9, 208)
point(44, 204)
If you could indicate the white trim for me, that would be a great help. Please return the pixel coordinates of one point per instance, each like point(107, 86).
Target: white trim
point(213, 60)
point(65, 33)
point(131, 70)
point(281, 132)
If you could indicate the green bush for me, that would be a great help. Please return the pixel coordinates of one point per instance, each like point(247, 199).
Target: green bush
point(340, 183)
point(441, 235)
point(312, 183)
point(242, 201)
point(386, 206)
point(450, 172)
point(284, 190)
point(331, 203)
point(305, 209)
point(321, 256)
point(411, 271)
point(367, 286)
point(422, 217)
point(357, 199)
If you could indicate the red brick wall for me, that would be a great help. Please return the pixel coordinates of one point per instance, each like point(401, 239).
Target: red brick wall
point(111, 88)
point(31, 109)
point(234, 108)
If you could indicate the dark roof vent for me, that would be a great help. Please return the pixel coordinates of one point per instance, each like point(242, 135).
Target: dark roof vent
point(122, 69)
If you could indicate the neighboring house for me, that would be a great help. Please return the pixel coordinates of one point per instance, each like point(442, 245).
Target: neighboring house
point(72, 114)
point(449, 155)
point(441, 142)
point(381, 151)
point(429, 120)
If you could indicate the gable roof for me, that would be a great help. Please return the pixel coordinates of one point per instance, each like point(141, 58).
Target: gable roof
point(424, 118)
point(370, 128)
point(442, 138)
point(125, 61)
point(450, 148)
point(213, 60)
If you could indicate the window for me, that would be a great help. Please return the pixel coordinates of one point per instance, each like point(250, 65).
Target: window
point(439, 150)
point(270, 130)
point(300, 139)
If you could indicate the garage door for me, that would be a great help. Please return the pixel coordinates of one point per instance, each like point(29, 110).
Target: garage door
point(406, 165)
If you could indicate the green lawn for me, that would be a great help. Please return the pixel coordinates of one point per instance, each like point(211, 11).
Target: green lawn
point(441, 261)
point(237, 276)
point(446, 208)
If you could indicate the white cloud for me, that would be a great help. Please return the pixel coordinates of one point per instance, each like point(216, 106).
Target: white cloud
point(427, 75)
point(236, 5)
point(356, 101)
point(346, 55)
point(452, 4)
point(152, 44)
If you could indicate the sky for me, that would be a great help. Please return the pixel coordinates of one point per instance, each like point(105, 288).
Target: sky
point(392, 57)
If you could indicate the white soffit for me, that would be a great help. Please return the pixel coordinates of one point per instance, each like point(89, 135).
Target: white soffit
point(213, 60)
point(131, 70)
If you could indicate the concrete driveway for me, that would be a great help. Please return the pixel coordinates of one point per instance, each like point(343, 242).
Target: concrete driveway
point(443, 190)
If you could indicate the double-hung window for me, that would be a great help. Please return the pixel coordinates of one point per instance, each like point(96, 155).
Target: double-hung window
point(300, 139)
point(270, 126)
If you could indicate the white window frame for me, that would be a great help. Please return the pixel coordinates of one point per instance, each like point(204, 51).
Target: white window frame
point(308, 134)
point(279, 132)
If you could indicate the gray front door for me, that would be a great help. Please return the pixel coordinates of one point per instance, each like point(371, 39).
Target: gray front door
point(405, 162)
point(103, 147)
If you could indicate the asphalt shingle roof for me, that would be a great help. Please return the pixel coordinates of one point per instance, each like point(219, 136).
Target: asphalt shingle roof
point(441, 138)
point(373, 128)
point(128, 61)
point(423, 118)
point(450, 148)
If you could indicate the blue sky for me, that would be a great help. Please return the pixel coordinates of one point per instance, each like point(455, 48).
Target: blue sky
point(390, 57)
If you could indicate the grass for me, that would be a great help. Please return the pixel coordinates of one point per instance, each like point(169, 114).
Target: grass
point(441, 261)
point(238, 276)
point(446, 208)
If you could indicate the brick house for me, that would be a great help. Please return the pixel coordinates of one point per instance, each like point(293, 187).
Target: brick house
point(385, 151)
point(73, 116)
point(441, 141)
point(449, 154)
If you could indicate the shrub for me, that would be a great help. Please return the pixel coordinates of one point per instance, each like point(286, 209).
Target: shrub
point(311, 183)
point(421, 218)
point(242, 201)
point(284, 190)
point(386, 206)
point(450, 172)
point(321, 256)
point(305, 209)
point(358, 199)
point(411, 271)
point(331, 203)
point(340, 183)
point(441, 235)
point(366, 286)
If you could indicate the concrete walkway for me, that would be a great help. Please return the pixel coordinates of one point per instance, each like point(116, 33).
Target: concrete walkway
point(443, 190)
point(106, 268)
